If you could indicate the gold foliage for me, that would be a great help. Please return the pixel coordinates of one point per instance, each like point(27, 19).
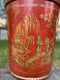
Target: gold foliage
point(47, 17)
point(31, 22)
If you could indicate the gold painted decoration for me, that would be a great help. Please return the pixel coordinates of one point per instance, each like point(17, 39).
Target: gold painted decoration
point(31, 31)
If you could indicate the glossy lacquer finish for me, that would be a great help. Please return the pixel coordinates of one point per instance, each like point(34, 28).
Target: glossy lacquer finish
point(8, 1)
point(56, 1)
point(31, 33)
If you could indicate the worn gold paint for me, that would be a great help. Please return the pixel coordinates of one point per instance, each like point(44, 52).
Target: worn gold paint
point(49, 18)
point(42, 16)
point(30, 72)
point(32, 5)
point(49, 25)
point(29, 20)
point(16, 14)
point(23, 5)
point(42, 5)
point(38, 53)
point(50, 15)
point(46, 17)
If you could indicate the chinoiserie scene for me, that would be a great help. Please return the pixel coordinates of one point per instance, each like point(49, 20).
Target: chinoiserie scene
point(29, 40)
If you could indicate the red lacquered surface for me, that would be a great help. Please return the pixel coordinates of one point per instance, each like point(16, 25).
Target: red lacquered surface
point(8, 1)
point(31, 32)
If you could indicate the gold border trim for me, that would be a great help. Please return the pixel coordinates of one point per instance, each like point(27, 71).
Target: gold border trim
point(48, 7)
point(32, 5)
point(20, 77)
point(30, 72)
point(23, 5)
